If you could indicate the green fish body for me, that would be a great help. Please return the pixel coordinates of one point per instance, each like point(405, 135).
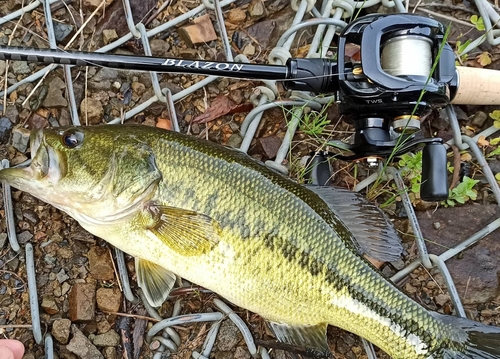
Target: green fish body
point(217, 218)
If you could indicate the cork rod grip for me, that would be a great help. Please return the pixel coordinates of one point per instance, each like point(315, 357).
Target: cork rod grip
point(477, 87)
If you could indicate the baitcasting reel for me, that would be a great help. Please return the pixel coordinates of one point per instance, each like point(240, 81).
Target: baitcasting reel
point(405, 69)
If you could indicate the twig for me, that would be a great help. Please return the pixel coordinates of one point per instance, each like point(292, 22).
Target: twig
point(452, 19)
point(8, 326)
point(131, 316)
point(116, 271)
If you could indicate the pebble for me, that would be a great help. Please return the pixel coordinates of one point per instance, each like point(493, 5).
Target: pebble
point(229, 336)
point(159, 47)
point(256, 9)
point(109, 35)
point(60, 330)
point(20, 67)
point(479, 119)
point(201, 31)
point(109, 339)
point(82, 302)
point(49, 305)
point(24, 237)
point(91, 110)
point(103, 327)
point(54, 97)
point(62, 276)
point(236, 15)
point(441, 299)
point(12, 113)
point(81, 346)
point(410, 289)
point(109, 299)
point(65, 288)
point(20, 138)
point(5, 129)
point(100, 263)
point(110, 353)
point(241, 353)
point(62, 31)
point(138, 88)
point(3, 239)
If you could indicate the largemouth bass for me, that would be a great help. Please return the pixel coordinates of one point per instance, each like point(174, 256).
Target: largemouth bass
point(219, 219)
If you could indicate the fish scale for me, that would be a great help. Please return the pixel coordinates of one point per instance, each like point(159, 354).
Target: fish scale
point(260, 240)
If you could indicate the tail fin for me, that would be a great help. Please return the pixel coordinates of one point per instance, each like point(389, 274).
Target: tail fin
point(474, 340)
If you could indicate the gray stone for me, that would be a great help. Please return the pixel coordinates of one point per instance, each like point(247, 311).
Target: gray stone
point(229, 336)
point(62, 276)
point(110, 353)
point(20, 139)
point(479, 119)
point(81, 346)
point(242, 353)
point(60, 330)
point(24, 237)
point(49, 305)
point(12, 113)
point(54, 96)
point(20, 67)
point(2, 67)
point(3, 239)
point(62, 31)
point(109, 339)
point(159, 47)
point(5, 130)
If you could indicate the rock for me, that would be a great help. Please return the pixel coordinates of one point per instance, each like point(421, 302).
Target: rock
point(109, 339)
point(109, 299)
point(12, 113)
point(241, 353)
point(82, 302)
point(109, 35)
point(49, 305)
point(24, 237)
point(234, 140)
point(5, 130)
point(103, 327)
point(159, 47)
point(479, 119)
point(62, 31)
point(475, 271)
point(410, 289)
point(81, 345)
point(3, 239)
point(441, 299)
point(249, 50)
point(229, 336)
point(20, 67)
point(201, 31)
point(54, 96)
point(64, 353)
point(138, 88)
point(91, 110)
point(100, 263)
point(110, 353)
point(20, 138)
point(60, 330)
point(65, 288)
point(268, 147)
point(62, 276)
point(236, 15)
point(256, 9)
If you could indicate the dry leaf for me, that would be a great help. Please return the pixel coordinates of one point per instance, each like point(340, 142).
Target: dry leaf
point(482, 142)
point(484, 58)
point(220, 106)
point(466, 157)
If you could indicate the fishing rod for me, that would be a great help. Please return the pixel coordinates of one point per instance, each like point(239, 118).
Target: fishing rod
point(406, 68)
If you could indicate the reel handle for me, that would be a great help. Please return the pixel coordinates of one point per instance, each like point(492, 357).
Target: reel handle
point(477, 86)
point(434, 186)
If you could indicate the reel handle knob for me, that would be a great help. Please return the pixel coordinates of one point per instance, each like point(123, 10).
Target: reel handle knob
point(434, 185)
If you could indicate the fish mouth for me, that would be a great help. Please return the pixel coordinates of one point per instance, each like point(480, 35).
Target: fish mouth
point(46, 164)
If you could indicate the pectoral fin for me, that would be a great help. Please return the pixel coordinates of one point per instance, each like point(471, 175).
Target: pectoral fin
point(155, 281)
point(311, 337)
point(186, 232)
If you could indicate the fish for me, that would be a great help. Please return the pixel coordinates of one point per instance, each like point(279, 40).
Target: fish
point(190, 208)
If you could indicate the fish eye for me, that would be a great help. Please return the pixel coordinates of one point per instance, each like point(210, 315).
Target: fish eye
point(72, 138)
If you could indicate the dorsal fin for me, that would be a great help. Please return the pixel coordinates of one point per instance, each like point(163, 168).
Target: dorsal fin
point(373, 233)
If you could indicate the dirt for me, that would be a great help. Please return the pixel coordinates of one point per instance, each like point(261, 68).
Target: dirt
point(67, 257)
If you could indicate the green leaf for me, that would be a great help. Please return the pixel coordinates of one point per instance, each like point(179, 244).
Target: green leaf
point(478, 22)
point(497, 176)
point(495, 114)
point(495, 141)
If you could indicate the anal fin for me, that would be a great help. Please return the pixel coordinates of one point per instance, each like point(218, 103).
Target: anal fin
point(311, 337)
point(155, 281)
